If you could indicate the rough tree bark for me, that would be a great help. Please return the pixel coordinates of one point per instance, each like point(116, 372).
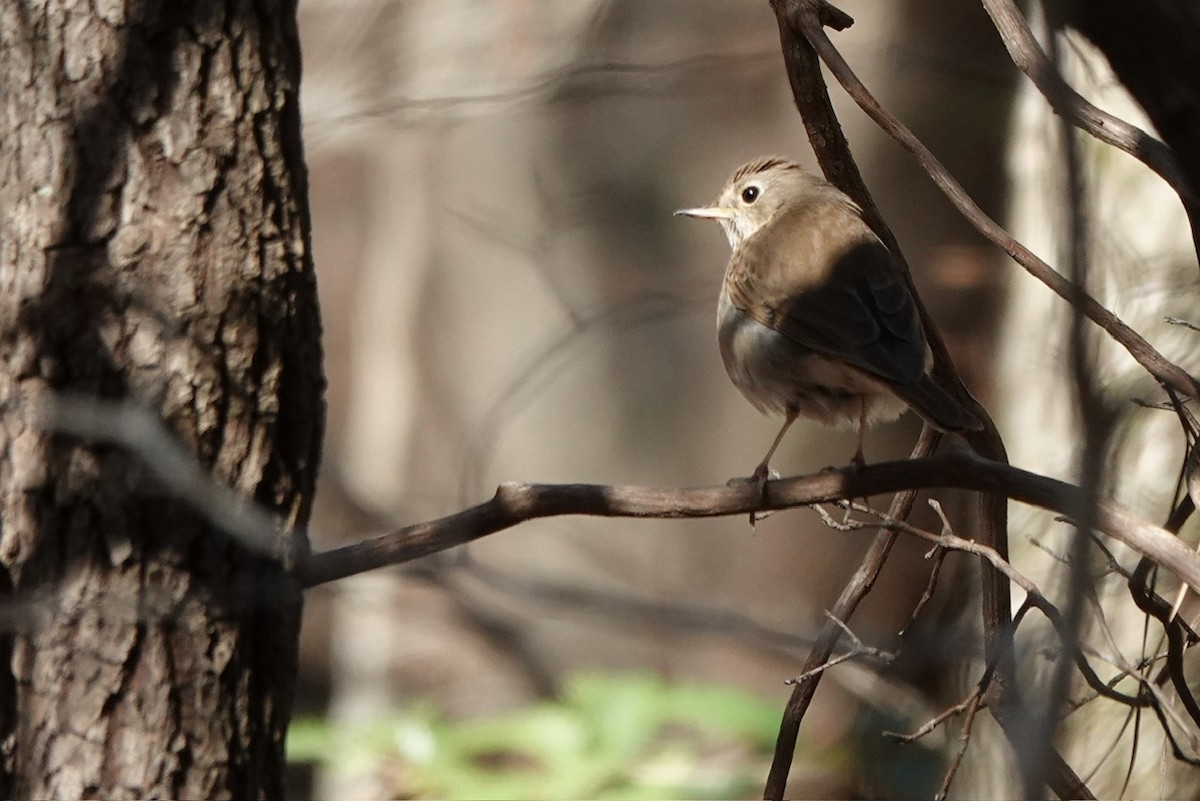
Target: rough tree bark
point(153, 247)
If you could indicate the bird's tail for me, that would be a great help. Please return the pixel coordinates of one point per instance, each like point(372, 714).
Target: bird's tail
point(937, 406)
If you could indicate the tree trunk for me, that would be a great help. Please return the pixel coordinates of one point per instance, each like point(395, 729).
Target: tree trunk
point(153, 248)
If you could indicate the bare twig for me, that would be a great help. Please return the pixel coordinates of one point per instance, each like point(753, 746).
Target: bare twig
point(1166, 712)
point(1111, 563)
point(1102, 622)
point(858, 649)
point(837, 525)
point(1163, 406)
point(1175, 630)
point(1046, 549)
point(950, 541)
point(1034, 599)
point(1190, 479)
point(1184, 323)
point(1153, 52)
point(964, 739)
point(938, 719)
point(938, 554)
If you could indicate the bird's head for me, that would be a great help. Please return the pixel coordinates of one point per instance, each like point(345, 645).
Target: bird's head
point(755, 194)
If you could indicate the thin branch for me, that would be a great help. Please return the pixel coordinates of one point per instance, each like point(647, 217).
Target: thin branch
point(857, 649)
point(1110, 640)
point(938, 554)
point(1034, 597)
point(1163, 370)
point(837, 525)
point(964, 739)
point(833, 154)
point(1184, 323)
point(1152, 48)
point(1166, 712)
point(1177, 640)
point(852, 594)
point(1028, 56)
point(938, 719)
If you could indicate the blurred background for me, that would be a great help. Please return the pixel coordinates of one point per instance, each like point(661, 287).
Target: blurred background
point(507, 296)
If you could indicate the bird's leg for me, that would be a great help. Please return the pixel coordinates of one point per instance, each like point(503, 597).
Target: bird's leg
point(858, 462)
point(763, 471)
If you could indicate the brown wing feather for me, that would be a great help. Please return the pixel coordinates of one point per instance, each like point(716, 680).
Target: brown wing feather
point(822, 279)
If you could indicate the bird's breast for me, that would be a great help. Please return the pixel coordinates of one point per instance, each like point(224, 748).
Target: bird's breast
point(747, 348)
point(778, 374)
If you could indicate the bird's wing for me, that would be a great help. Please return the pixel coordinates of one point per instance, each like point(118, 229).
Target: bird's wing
point(822, 279)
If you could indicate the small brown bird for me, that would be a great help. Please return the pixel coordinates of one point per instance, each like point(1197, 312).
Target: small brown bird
point(814, 317)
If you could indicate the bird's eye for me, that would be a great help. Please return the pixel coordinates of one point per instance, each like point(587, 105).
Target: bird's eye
point(750, 194)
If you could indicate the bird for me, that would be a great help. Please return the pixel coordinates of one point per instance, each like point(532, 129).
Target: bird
point(814, 317)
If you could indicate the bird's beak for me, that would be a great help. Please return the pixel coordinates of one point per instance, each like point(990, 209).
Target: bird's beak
point(707, 212)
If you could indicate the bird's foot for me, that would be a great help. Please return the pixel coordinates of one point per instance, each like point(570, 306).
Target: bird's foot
point(759, 478)
point(762, 474)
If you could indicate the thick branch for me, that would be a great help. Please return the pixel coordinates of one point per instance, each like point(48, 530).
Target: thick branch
point(958, 468)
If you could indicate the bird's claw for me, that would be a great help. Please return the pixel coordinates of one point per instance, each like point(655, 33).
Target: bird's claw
point(762, 474)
